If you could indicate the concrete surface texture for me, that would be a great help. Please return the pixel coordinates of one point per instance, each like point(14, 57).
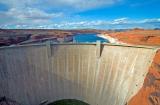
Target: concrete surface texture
point(98, 74)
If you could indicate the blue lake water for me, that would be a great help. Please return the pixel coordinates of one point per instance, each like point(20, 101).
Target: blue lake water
point(88, 38)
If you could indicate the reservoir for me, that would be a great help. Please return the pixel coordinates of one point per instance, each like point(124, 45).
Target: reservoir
point(91, 37)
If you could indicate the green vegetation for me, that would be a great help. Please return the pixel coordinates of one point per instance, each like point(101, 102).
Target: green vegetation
point(68, 102)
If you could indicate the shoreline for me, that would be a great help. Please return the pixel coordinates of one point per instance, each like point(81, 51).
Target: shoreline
point(111, 39)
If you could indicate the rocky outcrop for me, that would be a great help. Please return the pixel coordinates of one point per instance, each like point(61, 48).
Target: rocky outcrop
point(138, 37)
point(149, 94)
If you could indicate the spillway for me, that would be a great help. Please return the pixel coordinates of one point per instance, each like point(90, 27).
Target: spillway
point(98, 74)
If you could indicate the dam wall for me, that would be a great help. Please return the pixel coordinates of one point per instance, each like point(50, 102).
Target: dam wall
point(98, 74)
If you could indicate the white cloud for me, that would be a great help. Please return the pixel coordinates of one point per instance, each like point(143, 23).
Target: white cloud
point(82, 4)
point(120, 21)
point(100, 24)
point(28, 16)
point(78, 5)
point(151, 20)
point(31, 13)
point(19, 3)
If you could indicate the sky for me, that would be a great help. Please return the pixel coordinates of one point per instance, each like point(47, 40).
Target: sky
point(79, 14)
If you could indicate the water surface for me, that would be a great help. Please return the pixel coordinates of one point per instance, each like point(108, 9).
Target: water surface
point(93, 37)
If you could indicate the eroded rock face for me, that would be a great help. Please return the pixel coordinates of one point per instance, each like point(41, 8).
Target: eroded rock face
point(154, 98)
point(149, 94)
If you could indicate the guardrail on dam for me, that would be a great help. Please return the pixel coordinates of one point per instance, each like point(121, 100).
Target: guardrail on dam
point(99, 74)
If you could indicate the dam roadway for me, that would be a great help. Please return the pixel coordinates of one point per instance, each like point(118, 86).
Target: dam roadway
point(98, 74)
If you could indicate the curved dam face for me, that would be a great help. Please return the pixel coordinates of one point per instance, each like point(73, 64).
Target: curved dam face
point(96, 74)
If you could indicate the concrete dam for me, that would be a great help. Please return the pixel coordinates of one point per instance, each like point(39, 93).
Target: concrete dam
point(95, 73)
